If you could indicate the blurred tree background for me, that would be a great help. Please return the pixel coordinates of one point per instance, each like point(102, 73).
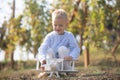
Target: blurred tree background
point(95, 23)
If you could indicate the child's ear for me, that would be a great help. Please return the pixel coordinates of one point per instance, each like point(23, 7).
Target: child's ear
point(67, 23)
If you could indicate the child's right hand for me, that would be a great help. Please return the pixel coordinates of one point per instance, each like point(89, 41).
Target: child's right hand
point(43, 62)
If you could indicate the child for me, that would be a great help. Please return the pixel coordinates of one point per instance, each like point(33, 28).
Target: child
point(59, 43)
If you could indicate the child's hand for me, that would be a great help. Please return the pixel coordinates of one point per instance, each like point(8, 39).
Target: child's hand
point(43, 62)
point(68, 58)
point(43, 68)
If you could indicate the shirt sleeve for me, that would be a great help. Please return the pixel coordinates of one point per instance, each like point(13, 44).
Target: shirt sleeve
point(43, 48)
point(74, 48)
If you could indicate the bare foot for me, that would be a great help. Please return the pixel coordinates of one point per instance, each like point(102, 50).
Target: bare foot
point(42, 74)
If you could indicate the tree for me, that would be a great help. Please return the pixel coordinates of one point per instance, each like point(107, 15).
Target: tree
point(37, 18)
point(26, 30)
point(10, 32)
point(104, 18)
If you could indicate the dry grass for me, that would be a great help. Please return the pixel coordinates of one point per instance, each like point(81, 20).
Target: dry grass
point(101, 67)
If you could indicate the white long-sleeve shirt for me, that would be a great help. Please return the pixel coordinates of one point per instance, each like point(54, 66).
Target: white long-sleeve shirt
point(54, 41)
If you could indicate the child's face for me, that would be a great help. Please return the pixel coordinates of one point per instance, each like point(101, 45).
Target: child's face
point(59, 25)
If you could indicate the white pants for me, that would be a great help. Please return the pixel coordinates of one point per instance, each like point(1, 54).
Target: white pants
point(62, 52)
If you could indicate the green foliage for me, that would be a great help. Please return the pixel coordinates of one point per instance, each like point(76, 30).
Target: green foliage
point(38, 19)
point(96, 26)
point(102, 14)
point(27, 30)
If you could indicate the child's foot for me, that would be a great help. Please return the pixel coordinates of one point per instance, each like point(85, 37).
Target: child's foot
point(43, 74)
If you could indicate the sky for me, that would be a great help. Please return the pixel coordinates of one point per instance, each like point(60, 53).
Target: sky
point(5, 9)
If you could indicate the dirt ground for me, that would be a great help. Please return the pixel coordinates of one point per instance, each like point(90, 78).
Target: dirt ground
point(32, 75)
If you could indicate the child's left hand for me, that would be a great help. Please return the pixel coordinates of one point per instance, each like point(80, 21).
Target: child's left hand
point(68, 58)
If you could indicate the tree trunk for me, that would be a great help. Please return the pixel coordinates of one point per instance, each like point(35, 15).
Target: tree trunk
point(12, 60)
point(13, 10)
point(6, 55)
point(12, 51)
point(86, 56)
point(86, 51)
point(81, 42)
point(116, 44)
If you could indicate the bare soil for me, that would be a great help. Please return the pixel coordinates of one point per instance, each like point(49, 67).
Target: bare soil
point(32, 75)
